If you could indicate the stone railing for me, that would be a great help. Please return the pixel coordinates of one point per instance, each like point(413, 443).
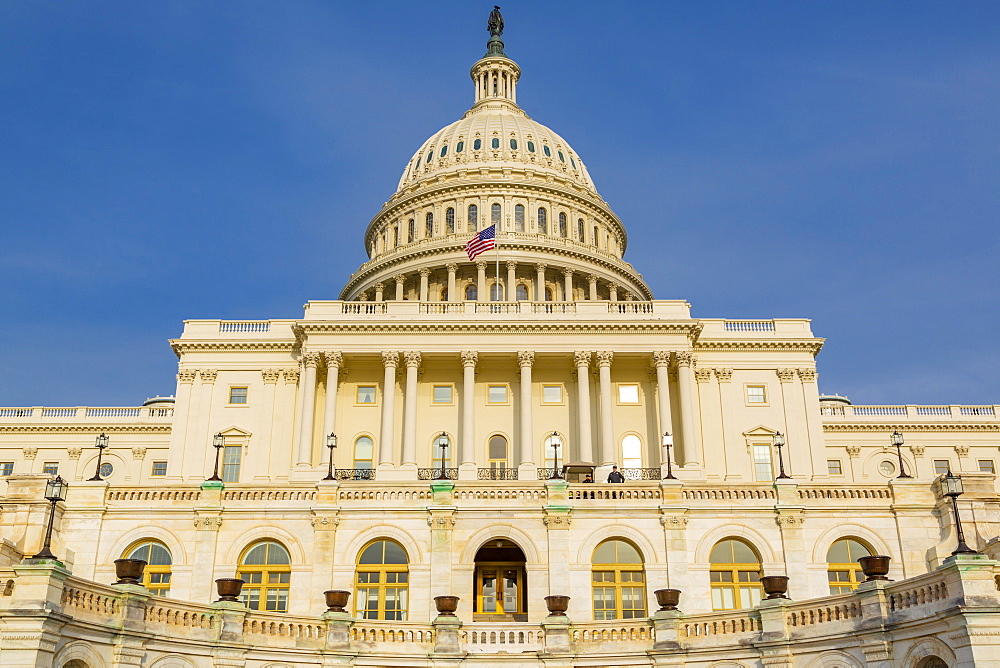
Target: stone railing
point(522, 310)
point(244, 326)
point(90, 414)
point(698, 627)
point(485, 638)
point(953, 412)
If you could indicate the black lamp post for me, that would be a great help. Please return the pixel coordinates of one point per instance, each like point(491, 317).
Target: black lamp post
point(897, 439)
point(668, 442)
point(442, 442)
point(218, 442)
point(55, 491)
point(331, 442)
point(556, 443)
point(953, 487)
point(102, 442)
point(779, 442)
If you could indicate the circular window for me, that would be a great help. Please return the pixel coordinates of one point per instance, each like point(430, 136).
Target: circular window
point(887, 468)
point(107, 469)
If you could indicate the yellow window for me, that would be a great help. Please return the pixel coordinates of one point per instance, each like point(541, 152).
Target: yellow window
point(618, 582)
point(734, 573)
point(844, 571)
point(382, 582)
point(265, 568)
point(156, 576)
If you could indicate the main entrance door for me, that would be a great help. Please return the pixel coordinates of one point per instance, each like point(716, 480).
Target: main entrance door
point(500, 583)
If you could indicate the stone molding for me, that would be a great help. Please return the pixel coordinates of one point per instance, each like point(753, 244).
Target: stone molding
point(208, 375)
point(291, 375)
point(469, 358)
point(661, 358)
point(310, 360)
point(525, 358)
point(412, 358)
point(187, 375)
point(390, 358)
point(582, 358)
point(724, 375)
point(270, 375)
point(604, 358)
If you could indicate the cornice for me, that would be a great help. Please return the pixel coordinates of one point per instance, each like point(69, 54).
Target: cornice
point(80, 428)
point(590, 327)
point(811, 345)
point(179, 346)
point(910, 427)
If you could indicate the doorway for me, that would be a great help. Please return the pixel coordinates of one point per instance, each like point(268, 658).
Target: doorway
point(500, 583)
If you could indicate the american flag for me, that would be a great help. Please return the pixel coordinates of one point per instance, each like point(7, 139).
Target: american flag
point(482, 242)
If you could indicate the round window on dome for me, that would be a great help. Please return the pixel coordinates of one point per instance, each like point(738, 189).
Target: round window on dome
point(546, 151)
point(459, 147)
point(476, 145)
point(531, 147)
point(513, 144)
point(107, 468)
point(562, 158)
point(495, 143)
point(444, 150)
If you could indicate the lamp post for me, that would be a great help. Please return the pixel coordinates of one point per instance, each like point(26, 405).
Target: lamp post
point(953, 487)
point(668, 442)
point(102, 442)
point(779, 442)
point(55, 491)
point(556, 443)
point(442, 442)
point(331, 442)
point(897, 439)
point(218, 442)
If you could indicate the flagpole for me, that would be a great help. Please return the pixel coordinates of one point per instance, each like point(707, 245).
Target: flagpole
point(496, 247)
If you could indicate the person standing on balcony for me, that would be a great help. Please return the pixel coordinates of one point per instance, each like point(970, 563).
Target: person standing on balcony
point(615, 475)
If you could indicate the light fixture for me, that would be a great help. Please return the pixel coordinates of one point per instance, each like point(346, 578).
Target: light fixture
point(954, 488)
point(218, 442)
point(556, 442)
point(55, 491)
point(779, 442)
point(102, 442)
point(668, 442)
point(331, 442)
point(442, 442)
point(897, 439)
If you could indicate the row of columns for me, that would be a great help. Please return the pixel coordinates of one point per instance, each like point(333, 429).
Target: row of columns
point(687, 425)
point(482, 286)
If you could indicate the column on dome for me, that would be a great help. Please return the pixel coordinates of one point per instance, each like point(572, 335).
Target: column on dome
point(400, 280)
point(661, 360)
point(467, 469)
point(334, 361)
point(613, 289)
point(592, 279)
point(525, 359)
point(567, 285)
point(511, 286)
point(452, 294)
point(389, 360)
point(582, 361)
point(540, 294)
point(379, 291)
point(307, 408)
point(412, 360)
point(424, 273)
point(481, 294)
point(691, 447)
point(604, 358)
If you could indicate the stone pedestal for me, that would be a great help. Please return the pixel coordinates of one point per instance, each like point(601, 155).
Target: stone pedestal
point(446, 639)
point(556, 629)
point(230, 626)
point(665, 623)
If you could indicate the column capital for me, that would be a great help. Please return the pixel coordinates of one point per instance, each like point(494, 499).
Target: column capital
point(469, 357)
point(661, 358)
point(786, 375)
point(703, 375)
point(451, 267)
point(270, 375)
point(511, 264)
point(724, 375)
point(187, 375)
point(541, 266)
point(684, 358)
point(208, 375)
point(568, 273)
point(807, 375)
point(333, 359)
point(400, 278)
point(390, 359)
point(380, 286)
point(481, 265)
point(525, 358)
point(291, 375)
point(425, 272)
point(604, 357)
point(582, 358)
point(592, 278)
point(412, 358)
point(310, 360)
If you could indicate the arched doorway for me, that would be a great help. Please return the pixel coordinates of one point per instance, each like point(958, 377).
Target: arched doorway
point(500, 586)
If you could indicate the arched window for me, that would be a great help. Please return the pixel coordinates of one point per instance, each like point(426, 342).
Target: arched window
point(443, 295)
point(932, 662)
point(579, 231)
point(265, 567)
point(546, 151)
point(513, 144)
point(522, 292)
point(477, 144)
point(498, 452)
point(562, 224)
point(543, 221)
point(531, 146)
point(429, 226)
point(473, 217)
point(495, 216)
point(631, 452)
point(562, 158)
point(735, 575)
point(471, 292)
point(843, 567)
point(618, 581)
point(496, 292)
point(449, 220)
point(444, 150)
point(156, 576)
point(459, 147)
point(495, 143)
point(519, 218)
point(382, 582)
point(436, 460)
point(548, 295)
point(411, 232)
point(364, 451)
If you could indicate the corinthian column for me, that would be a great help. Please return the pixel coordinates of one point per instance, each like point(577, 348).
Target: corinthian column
point(525, 359)
point(567, 285)
point(379, 291)
point(540, 290)
point(333, 364)
point(481, 282)
point(607, 428)
point(452, 268)
point(410, 409)
point(390, 360)
point(510, 289)
point(469, 359)
point(400, 280)
point(689, 426)
point(592, 281)
point(424, 273)
point(582, 361)
point(661, 359)
point(310, 362)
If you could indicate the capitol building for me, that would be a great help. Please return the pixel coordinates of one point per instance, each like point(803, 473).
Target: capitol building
point(428, 436)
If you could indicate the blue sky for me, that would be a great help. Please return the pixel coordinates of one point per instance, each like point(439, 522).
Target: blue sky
point(838, 161)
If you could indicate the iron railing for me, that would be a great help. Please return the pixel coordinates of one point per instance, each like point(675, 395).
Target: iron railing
point(546, 473)
point(498, 474)
point(437, 474)
point(354, 474)
point(641, 474)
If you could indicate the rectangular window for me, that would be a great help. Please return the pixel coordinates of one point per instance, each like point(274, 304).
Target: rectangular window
point(552, 394)
point(50, 468)
point(941, 466)
point(444, 394)
point(231, 457)
point(159, 469)
point(762, 463)
point(628, 394)
point(366, 395)
point(497, 394)
point(833, 467)
point(986, 466)
point(238, 394)
point(6, 468)
point(756, 395)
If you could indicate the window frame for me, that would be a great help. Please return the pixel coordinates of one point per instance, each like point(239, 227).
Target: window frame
point(839, 467)
point(755, 448)
point(735, 570)
point(357, 394)
point(851, 568)
point(354, 453)
point(638, 394)
point(618, 584)
point(151, 571)
point(6, 469)
point(938, 472)
point(764, 394)
point(381, 584)
point(233, 389)
point(47, 465)
point(231, 470)
point(153, 469)
point(496, 462)
point(265, 570)
point(506, 389)
point(451, 394)
point(991, 469)
point(562, 394)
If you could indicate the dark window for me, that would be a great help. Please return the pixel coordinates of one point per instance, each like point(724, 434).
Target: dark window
point(531, 147)
point(429, 225)
point(476, 145)
point(449, 220)
point(519, 218)
point(444, 150)
point(460, 147)
point(513, 144)
point(471, 292)
point(411, 232)
point(579, 229)
point(546, 151)
point(495, 216)
point(543, 224)
point(572, 162)
point(473, 217)
point(561, 157)
point(562, 224)
point(495, 143)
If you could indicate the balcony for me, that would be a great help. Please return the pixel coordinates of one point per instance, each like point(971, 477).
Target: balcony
point(946, 413)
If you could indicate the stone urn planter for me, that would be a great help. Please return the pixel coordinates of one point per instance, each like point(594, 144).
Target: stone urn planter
point(875, 567)
point(557, 605)
point(446, 605)
point(775, 586)
point(668, 598)
point(229, 588)
point(336, 600)
point(129, 571)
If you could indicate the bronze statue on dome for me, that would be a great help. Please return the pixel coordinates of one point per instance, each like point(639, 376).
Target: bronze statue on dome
point(495, 25)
